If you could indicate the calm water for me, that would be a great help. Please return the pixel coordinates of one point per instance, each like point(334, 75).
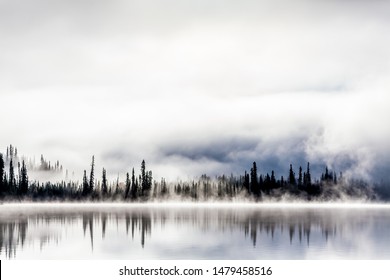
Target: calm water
point(121, 231)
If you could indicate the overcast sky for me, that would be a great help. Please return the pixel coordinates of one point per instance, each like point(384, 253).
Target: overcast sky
point(194, 87)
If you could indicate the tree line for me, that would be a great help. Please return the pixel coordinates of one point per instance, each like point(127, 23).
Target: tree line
point(142, 187)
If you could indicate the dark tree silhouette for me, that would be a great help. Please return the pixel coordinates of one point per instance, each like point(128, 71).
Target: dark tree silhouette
point(149, 180)
point(143, 178)
point(300, 178)
point(128, 185)
point(246, 182)
point(308, 176)
point(104, 183)
point(164, 189)
point(254, 181)
point(267, 183)
point(23, 183)
point(262, 186)
point(134, 185)
point(141, 186)
point(85, 184)
point(12, 181)
point(92, 176)
point(291, 176)
point(146, 180)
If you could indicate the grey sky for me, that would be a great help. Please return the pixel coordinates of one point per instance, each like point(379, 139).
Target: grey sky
point(197, 86)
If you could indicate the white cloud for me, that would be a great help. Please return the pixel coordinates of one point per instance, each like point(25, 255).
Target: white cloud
point(137, 76)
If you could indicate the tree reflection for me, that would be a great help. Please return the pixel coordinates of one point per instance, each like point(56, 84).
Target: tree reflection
point(12, 233)
point(296, 227)
point(87, 219)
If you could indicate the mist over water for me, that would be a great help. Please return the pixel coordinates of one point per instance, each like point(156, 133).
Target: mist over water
point(194, 231)
point(200, 90)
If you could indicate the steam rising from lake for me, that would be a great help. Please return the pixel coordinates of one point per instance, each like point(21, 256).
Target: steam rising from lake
point(194, 231)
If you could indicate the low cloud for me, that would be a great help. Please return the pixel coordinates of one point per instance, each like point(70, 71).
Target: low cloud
point(205, 87)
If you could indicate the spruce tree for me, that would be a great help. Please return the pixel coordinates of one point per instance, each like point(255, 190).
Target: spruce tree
point(326, 174)
point(267, 181)
point(23, 185)
point(291, 177)
point(92, 176)
point(85, 184)
point(104, 183)
point(143, 178)
point(246, 182)
point(254, 180)
point(128, 184)
point(149, 180)
point(164, 189)
point(261, 184)
point(12, 182)
point(300, 179)
point(308, 176)
point(133, 185)
point(137, 182)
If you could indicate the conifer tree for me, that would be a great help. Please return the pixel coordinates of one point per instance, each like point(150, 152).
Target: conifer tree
point(261, 183)
point(133, 185)
point(291, 176)
point(92, 176)
point(136, 187)
point(149, 180)
point(104, 183)
point(164, 189)
point(308, 176)
point(12, 182)
point(326, 174)
point(23, 184)
point(300, 179)
point(128, 184)
point(254, 180)
point(267, 181)
point(144, 180)
point(246, 182)
point(85, 184)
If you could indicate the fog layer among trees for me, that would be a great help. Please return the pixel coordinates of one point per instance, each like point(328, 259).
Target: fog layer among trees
point(140, 186)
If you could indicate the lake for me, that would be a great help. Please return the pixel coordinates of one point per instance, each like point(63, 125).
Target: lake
point(194, 231)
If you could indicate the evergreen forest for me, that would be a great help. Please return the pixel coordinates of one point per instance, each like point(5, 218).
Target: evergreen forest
point(140, 186)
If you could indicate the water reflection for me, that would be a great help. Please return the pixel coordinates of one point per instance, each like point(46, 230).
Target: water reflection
point(193, 233)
